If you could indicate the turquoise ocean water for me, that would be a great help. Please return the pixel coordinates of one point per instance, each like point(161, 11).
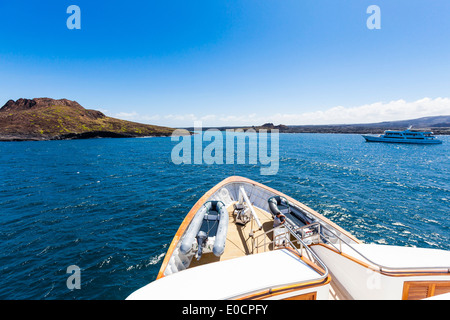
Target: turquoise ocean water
point(112, 206)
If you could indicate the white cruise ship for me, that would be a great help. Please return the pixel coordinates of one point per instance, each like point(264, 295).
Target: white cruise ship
point(407, 136)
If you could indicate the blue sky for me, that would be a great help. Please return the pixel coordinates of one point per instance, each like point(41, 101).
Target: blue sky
point(231, 62)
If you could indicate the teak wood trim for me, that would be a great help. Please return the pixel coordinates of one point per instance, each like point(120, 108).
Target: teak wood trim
point(428, 286)
point(305, 296)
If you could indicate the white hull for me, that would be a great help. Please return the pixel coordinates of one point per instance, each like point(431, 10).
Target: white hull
point(405, 266)
point(391, 140)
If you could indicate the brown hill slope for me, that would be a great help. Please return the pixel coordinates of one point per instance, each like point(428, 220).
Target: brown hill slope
point(50, 119)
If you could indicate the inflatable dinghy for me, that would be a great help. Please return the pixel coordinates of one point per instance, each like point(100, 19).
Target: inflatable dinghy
point(197, 239)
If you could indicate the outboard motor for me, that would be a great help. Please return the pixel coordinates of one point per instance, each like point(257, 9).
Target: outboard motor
point(201, 240)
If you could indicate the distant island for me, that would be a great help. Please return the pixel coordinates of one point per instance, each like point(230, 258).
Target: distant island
point(62, 119)
point(51, 119)
point(440, 125)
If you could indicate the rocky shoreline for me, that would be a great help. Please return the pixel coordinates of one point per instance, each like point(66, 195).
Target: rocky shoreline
point(41, 119)
point(75, 136)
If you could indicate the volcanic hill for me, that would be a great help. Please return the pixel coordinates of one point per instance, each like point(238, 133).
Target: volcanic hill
point(50, 119)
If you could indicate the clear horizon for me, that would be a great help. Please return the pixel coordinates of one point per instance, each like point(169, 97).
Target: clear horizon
point(232, 63)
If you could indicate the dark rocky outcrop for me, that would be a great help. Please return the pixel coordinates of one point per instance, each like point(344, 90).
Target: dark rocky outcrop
point(51, 119)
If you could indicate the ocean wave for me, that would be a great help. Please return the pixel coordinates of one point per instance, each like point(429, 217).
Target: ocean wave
point(152, 261)
point(55, 214)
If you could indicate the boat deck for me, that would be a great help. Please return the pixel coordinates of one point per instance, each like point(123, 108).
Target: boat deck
point(322, 270)
point(239, 241)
